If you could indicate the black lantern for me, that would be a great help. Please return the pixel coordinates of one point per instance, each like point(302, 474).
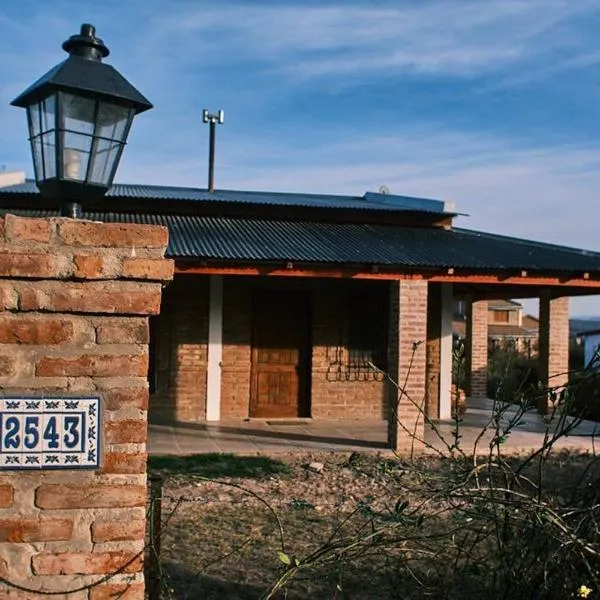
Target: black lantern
point(79, 116)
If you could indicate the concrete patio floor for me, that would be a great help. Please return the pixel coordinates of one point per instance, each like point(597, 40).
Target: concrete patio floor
point(270, 437)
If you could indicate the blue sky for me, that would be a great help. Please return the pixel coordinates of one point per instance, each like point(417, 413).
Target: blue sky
point(493, 105)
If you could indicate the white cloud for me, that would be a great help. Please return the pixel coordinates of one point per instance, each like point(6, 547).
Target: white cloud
point(257, 59)
point(440, 37)
point(531, 76)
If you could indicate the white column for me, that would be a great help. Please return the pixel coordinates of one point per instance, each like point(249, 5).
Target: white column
point(215, 348)
point(446, 351)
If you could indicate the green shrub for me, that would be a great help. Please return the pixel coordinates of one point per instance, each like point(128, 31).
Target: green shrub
point(511, 375)
point(576, 356)
point(584, 394)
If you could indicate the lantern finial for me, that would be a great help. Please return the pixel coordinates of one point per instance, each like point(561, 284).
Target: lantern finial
point(86, 44)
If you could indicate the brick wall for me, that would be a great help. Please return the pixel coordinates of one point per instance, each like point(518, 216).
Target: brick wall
point(237, 339)
point(74, 302)
point(340, 392)
point(408, 335)
point(553, 342)
point(181, 359)
point(332, 397)
point(477, 348)
point(180, 335)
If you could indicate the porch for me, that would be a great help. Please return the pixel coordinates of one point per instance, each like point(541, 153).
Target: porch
point(235, 355)
point(253, 436)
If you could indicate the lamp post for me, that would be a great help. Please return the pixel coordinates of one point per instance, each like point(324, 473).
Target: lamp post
point(79, 115)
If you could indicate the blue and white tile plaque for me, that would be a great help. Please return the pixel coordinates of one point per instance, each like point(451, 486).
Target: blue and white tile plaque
point(49, 433)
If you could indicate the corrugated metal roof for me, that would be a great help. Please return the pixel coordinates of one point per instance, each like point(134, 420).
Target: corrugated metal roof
point(238, 239)
point(370, 201)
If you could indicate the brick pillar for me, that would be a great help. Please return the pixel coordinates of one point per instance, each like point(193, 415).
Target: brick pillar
point(434, 327)
point(553, 361)
point(74, 299)
point(407, 364)
point(477, 349)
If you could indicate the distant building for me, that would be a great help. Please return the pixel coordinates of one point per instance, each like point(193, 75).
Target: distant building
point(8, 178)
point(580, 327)
point(507, 326)
point(591, 346)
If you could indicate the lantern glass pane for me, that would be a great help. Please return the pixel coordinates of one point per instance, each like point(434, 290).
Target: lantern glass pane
point(77, 114)
point(48, 114)
point(49, 152)
point(113, 121)
point(38, 161)
point(33, 117)
point(75, 155)
point(106, 153)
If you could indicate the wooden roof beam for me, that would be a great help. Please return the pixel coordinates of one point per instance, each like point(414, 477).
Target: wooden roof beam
point(523, 279)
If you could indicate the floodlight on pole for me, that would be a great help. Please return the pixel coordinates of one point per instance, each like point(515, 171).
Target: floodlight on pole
point(212, 119)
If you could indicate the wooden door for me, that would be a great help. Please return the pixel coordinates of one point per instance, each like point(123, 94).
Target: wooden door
point(280, 355)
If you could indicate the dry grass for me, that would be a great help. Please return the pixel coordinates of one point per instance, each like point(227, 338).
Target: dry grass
point(223, 542)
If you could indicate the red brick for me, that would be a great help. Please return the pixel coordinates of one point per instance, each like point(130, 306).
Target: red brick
point(102, 298)
point(8, 297)
point(118, 591)
point(10, 593)
point(29, 299)
point(115, 399)
point(123, 331)
point(124, 463)
point(181, 344)
point(35, 330)
point(73, 563)
point(408, 304)
point(6, 496)
point(118, 531)
point(93, 366)
point(477, 348)
point(553, 361)
point(28, 229)
point(89, 496)
point(35, 530)
point(148, 268)
point(112, 235)
point(125, 432)
point(8, 366)
point(30, 265)
point(89, 267)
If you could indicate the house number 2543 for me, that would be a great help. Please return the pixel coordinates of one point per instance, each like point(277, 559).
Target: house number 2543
point(50, 433)
point(55, 434)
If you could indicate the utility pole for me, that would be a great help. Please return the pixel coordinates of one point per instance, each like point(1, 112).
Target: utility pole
point(212, 119)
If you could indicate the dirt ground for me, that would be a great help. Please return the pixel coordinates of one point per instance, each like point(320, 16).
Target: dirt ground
point(233, 536)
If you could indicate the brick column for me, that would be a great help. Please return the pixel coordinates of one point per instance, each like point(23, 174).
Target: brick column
point(553, 361)
point(74, 299)
point(434, 330)
point(477, 348)
point(407, 364)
